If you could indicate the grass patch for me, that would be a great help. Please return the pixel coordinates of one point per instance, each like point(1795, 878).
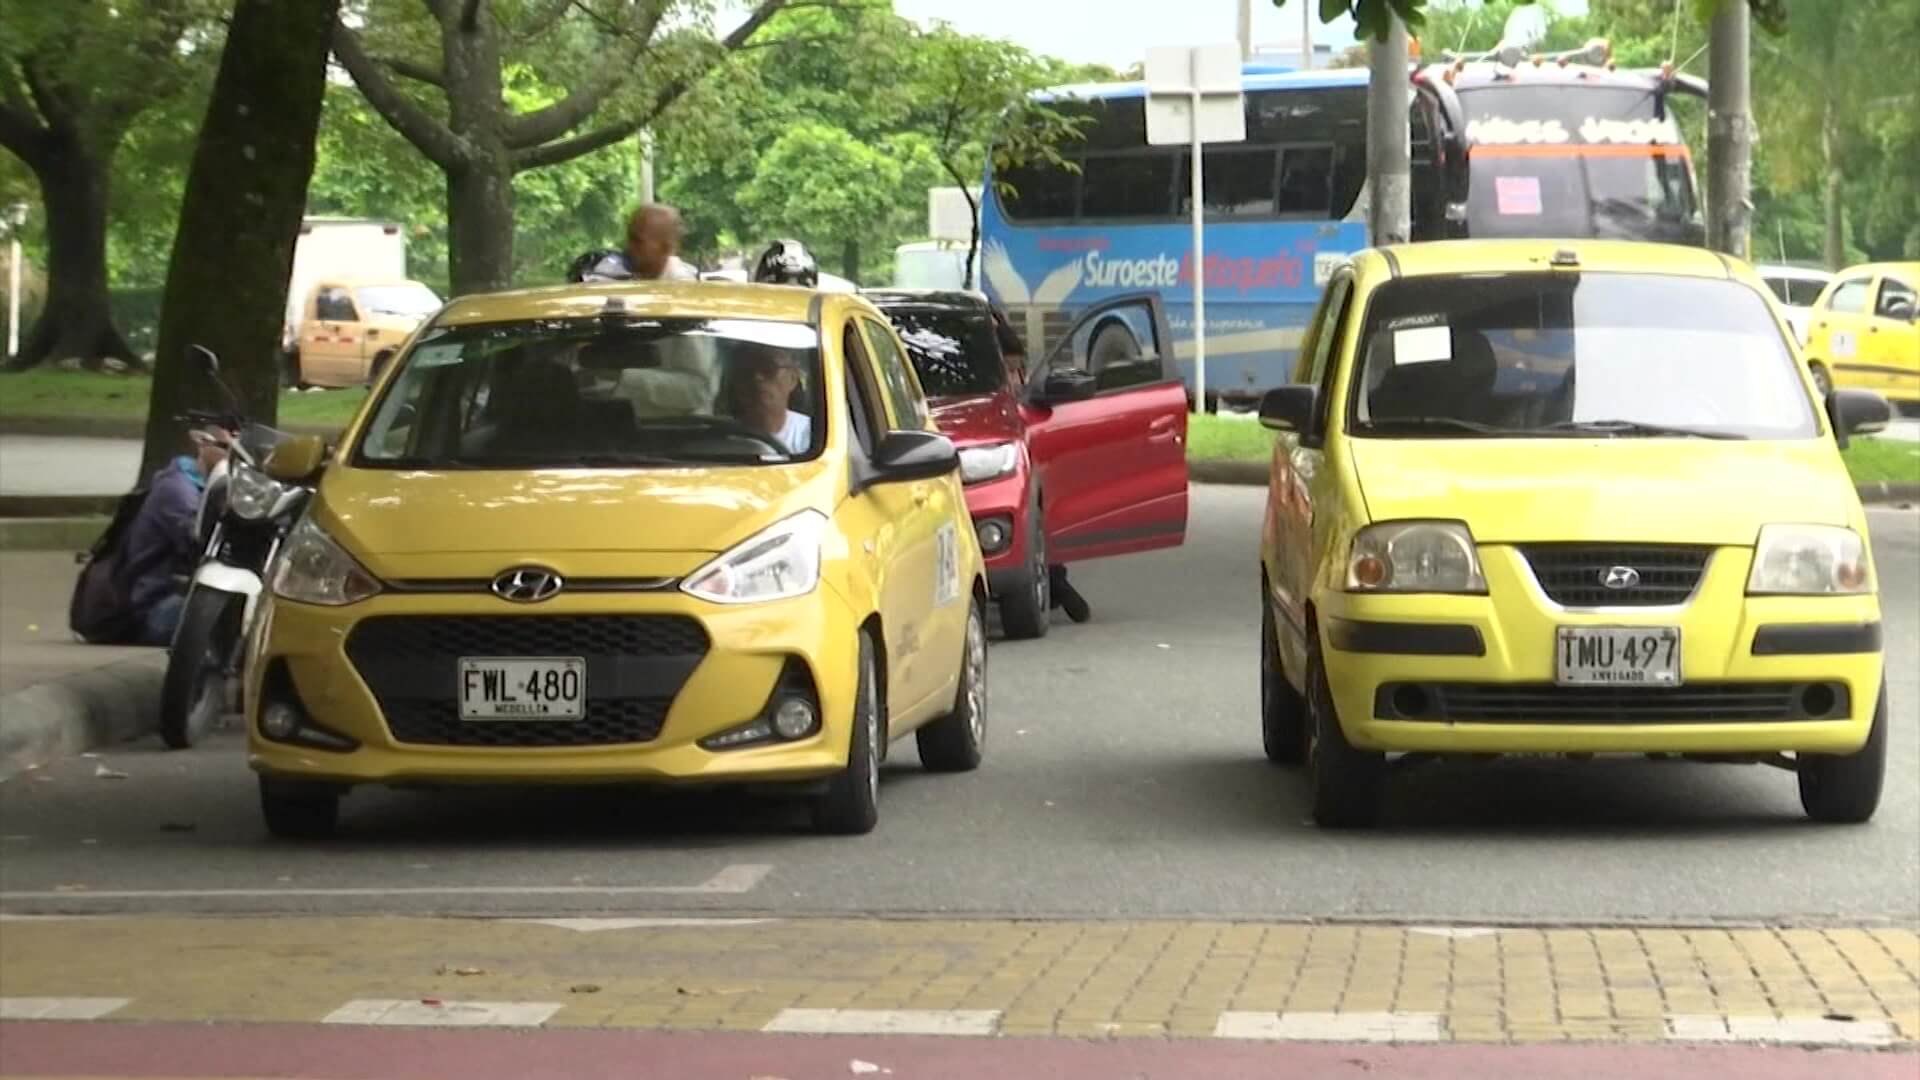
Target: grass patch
point(1212, 438)
point(47, 394)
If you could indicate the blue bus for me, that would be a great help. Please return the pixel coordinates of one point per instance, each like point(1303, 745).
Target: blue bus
point(1536, 148)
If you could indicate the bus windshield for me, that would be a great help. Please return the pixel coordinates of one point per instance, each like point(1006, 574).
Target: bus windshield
point(1576, 161)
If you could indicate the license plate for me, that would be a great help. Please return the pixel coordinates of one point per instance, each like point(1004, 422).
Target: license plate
point(523, 688)
point(1618, 656)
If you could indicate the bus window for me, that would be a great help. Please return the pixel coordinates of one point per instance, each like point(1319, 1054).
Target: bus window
point(1134, 185)
point(1306, 181)
point(1238, 182)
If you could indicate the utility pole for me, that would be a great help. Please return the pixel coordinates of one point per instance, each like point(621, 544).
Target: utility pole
point(1389, 169)
point(1729, 131)
point(1246, 29)
point(646, 166)
point(1306, 36)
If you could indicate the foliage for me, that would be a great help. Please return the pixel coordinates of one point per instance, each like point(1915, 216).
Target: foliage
point(831, 191)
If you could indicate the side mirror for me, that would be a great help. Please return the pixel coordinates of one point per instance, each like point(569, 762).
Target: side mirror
point(297, 459)
point(1065, 385)
point(1857, 412)
point(1289, 408)
point(914, 455)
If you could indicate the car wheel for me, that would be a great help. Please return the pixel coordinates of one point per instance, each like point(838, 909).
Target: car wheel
point(1025, 609)
point(1347, 784)
point(1822, 379)
point(851, 804)
point(291, 379)
point(1844, 789)
point(194, 692)
point(1283, 713)
point(299, 811)
point(954, 742)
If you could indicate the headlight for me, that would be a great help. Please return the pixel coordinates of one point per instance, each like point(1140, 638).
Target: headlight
point(1803, 560)
point(777, 563)
point(252, 494)
point(979, 464)
point(313, 569)
point(1415, 557)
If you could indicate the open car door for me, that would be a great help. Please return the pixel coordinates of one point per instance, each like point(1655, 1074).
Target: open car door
point(1106, 420)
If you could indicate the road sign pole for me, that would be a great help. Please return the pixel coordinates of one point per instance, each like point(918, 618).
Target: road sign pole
point(1199, 262)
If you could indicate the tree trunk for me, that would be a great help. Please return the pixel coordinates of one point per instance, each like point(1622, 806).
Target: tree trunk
point(227, 286)
point(76, 320)
point(1836, 239)
point(850, 258)
point(480, 226)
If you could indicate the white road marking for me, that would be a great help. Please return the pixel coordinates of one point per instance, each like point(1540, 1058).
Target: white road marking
point(59, 1008)
point(886, 1021)
point(1793, 1030)
point(1354, 1027)
point(731, 880)
point(1458, 933)
point(593, 926)
point(417, 1013)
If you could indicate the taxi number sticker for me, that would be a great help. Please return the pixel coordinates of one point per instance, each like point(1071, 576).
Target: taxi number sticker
point(946, 560)
point(1844, 343)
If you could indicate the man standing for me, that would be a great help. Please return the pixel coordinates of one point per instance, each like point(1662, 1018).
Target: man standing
point(654, 232)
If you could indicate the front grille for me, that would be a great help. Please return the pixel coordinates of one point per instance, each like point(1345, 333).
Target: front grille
point(1574, 575)
point(636, 664)
point(1694, 703)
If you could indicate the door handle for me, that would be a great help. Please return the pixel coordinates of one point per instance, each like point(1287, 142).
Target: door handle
point(920, 498)
point(1161, 430)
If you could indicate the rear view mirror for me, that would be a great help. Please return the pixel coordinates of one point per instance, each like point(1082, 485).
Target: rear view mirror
point(206, 358)
point(297, 459)
point(1857, 412)
point(1289, 408)
point(914, 455)
point(1060, 387)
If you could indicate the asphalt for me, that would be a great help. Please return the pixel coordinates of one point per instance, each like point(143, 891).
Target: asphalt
point(1123, 778)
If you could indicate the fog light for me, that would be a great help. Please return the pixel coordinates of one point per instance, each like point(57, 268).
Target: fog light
point(994, 535)
point(794, 718)
point(279, 721)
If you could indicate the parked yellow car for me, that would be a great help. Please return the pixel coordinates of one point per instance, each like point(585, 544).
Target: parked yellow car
point(1540, 497)
point(640, 532)
point(1864, 331)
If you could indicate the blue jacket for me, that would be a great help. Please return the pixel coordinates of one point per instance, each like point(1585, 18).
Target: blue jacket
point(161, 541)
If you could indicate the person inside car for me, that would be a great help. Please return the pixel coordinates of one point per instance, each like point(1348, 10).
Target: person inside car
point(763, 380)
point(161, 545)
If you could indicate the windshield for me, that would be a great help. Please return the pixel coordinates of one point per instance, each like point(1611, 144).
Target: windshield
point(602, 393)
point(414, 300)
point(1569, 354)
point(954, 353)
point(1576, 162)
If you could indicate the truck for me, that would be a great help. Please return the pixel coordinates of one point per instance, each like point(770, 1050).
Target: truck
point(350, 303)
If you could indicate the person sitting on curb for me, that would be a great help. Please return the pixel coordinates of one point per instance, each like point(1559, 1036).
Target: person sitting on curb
point(161, 544)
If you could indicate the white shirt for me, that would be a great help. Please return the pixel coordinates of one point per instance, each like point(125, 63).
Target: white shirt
point(797, 433)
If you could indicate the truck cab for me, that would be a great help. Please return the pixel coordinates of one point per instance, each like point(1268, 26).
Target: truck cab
point(349, 329)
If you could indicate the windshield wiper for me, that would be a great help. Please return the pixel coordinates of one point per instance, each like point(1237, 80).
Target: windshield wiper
point(1445, 424)
point(1617, 428)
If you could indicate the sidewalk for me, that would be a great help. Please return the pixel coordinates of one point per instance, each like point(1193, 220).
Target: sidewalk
point(58, 696)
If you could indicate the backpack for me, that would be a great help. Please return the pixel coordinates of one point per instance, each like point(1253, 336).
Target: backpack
point(100, 612)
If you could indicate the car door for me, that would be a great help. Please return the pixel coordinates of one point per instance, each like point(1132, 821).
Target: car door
point(930, 542)
point(880, 518)
point(1891, 345)
point(1297, 485)
point(331, 337)
point(1837, 323)
point(1106, 417)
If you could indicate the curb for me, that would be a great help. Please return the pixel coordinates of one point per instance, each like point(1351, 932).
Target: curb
point(79, 712)
point(51, 533)
point(1254, 474)
point(58, 506)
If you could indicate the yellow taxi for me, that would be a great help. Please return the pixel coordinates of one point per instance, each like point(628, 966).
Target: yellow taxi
point(638, 532)
point(1864, 331)
point(1564, 498)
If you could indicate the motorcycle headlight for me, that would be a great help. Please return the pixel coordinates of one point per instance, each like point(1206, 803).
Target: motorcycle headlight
point(1808, 560)
point(313, 569)
point(777, 563)
point(978, 464)
point(1415, 557)
point(252, 494)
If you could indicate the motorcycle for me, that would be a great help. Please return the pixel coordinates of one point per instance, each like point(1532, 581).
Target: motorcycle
point(244, 517)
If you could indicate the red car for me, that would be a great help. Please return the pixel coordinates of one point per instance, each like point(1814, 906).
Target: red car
point(1081, 456)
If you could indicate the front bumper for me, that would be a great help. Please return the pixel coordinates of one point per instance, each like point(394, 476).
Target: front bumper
point(315, 654)
point(1001, 504)
point(1476, 674)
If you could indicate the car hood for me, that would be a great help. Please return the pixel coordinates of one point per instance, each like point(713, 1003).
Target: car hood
point(979, 418)
point(1694, 491)
point(597, 522)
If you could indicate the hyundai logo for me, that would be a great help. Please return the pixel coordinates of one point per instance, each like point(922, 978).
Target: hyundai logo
point(527, 585)
point(1616, 577)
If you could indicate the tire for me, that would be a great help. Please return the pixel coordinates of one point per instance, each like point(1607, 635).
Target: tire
point(1283, 712)
point(1822, 379)
point(193, 695)
point(955, 742)
point(299, 811)
point(1844, 789)
point(1026, 609)
point(291, 378)
point(851, 804)
point(1347, 784)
